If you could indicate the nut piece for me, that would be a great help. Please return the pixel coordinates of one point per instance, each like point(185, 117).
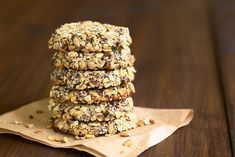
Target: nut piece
point(127, 143)
point(124, 134)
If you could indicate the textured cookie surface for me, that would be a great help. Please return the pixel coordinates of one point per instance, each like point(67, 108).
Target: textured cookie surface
point(63, 94)
point(105, 111)
point(93, 61)
point(93, 129)
point(88, 36)
point(80, 80)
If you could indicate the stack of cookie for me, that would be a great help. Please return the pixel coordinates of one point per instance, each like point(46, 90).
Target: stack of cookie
point(92, 81)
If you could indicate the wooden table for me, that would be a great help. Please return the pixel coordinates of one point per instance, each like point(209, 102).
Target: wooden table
point(185, 51)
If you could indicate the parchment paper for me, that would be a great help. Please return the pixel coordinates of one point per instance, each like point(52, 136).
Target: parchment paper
point(166, 122)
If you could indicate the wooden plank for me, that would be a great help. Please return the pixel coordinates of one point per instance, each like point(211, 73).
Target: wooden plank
point(175, 62)
point(223, 13)
point(180, 73)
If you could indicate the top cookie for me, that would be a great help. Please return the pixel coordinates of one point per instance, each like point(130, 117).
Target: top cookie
point(88, 36)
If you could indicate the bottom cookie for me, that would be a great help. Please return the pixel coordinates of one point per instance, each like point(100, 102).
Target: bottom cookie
point(93, 129)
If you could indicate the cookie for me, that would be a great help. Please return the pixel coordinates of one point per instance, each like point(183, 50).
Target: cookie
point(88, 36)
point(63, 94)
point(80, 80)
point(93, 61)
point(93, 129)
point(105, 111)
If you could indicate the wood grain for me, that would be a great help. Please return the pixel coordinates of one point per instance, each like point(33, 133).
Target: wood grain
point(223, 15)
point(176, 64)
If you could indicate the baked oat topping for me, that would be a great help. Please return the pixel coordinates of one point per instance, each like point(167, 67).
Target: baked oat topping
point(104, 111)
point(92, 79)
point(63, 94)
point(82, 129)
point(93, 61)
point(88, 36)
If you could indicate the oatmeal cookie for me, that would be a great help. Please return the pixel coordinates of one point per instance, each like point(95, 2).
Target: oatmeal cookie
point(93, 129)
point(88, 36)
point(105, 111)
point(93, 61)
point(80, 80)
point(63, 94)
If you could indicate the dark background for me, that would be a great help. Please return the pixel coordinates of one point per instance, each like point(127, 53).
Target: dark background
point(185, 51)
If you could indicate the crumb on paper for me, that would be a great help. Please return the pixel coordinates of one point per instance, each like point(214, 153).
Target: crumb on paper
point(31, 116)
point(65, 140)
point(124, 134)
point(152, 121)
point(17, 122)
point(140, 123)
point(57, 139)
point(89, 136)
point(39, 111)
point(49, 126)
point(138, 147)
point(29, 125)
point(145, 121)
point(127, 143)
point(37, 131)
point(51, 138)
point(79, 138)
